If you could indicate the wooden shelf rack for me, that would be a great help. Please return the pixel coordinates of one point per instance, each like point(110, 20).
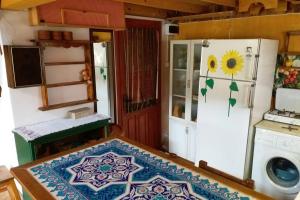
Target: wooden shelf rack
point(88, 67)
point(62, 105)
point(65, 84)
point(64, 63)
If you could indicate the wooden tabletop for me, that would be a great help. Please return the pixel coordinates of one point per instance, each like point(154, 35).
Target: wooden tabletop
point(37, 191)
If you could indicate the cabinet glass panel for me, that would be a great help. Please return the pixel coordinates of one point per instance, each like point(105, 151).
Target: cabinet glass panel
point(179, 80)
point(180, 56)
point(195, 81)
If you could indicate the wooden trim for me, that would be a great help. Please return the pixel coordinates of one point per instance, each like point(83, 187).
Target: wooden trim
point(67, 104)
point(33, 16)
point(64, 63)
point(79, 26)
point(294, 2)
point(168, 5)
point(62, 43)
point(65, 84)
point(244, 5)
point(248, 182)
point(292, 53)
point(44, 93)
point(37, 191)
point(22, 4)
point(9, 67)
point(287, 41)
point(204, 16)
point(229, 3)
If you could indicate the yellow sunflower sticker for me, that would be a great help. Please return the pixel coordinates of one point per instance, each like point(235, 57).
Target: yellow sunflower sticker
point(212, 64)
point(232, 62)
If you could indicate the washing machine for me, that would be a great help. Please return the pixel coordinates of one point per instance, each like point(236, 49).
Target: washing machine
point(276, 160)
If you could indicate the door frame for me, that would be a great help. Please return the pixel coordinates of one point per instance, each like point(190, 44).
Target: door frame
point(91, 31)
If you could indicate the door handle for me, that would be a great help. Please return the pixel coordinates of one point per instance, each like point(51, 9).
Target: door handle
point(186, 130)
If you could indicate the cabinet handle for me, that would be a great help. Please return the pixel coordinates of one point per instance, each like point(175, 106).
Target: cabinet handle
point(186, 130)
point(188, 83)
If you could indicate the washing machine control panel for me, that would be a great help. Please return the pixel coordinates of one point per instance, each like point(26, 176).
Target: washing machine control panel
point(278, 140)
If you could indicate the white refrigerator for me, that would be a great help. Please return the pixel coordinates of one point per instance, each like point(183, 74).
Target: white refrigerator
point(225, 131)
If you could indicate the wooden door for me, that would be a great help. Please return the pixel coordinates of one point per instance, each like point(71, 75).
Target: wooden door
point(142, 125)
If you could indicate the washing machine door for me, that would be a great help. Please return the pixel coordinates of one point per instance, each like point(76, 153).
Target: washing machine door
point(284, 174)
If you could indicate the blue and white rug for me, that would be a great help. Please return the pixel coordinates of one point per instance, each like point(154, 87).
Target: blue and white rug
point(118, 170)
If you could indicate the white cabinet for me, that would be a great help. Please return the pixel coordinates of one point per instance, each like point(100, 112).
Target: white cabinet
point(182, 139)
point(184, 87)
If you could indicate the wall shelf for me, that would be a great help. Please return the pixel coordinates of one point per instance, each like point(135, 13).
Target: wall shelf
point(62, 43)
point(64, 63)
point(65, 84)
point(67, 104)
point(90, 98)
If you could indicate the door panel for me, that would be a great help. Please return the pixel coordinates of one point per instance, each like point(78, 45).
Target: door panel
point(195, 74)
point(141, 125)
point(180, 52)
point(246, 48)
point(192, 142)
point(222, 136)
point(153, 129)
point(142, 130)
point(178, 141)
point(131, 128)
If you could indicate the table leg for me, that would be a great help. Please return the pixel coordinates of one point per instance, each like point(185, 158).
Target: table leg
point(106, 131)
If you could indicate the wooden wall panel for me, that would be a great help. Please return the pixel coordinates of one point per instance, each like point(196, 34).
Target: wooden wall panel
point(52, 13)
point(269, 27)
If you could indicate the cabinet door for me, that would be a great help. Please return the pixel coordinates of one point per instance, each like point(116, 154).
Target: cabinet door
point(192, 142)
point(180, 51)
point(193, 84)
point(178, 142)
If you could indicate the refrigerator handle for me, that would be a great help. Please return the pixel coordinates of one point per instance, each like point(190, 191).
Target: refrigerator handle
point(250, 98)
point(254, 73)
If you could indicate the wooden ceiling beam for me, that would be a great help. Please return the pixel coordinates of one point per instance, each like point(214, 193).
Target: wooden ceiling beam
point(22, 4)
point(136, 10)
point(205, 16)
point(168, 5)
point(228, 3)
point(196, 2)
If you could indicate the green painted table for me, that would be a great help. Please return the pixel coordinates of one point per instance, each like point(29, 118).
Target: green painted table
point(27, 140)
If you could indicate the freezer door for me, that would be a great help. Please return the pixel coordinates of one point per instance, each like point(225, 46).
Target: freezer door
point(219, 48)
point(222, 139)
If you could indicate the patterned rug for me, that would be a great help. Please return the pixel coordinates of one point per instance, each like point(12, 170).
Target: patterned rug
point(118, 170)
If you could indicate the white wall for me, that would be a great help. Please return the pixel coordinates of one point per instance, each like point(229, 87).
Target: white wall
point(19, 107)
point(7, 154)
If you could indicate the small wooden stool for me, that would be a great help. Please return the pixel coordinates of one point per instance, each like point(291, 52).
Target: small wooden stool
point(7, 183)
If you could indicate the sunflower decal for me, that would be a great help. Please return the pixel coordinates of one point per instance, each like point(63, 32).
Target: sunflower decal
point(232, 64)
point(212, 65)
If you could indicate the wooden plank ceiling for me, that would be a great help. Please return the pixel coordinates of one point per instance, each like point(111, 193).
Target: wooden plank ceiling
point(22, 4)
point(186, 10)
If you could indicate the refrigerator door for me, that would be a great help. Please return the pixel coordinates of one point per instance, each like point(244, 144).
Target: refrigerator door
point(248, 49)
point(222, 140)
